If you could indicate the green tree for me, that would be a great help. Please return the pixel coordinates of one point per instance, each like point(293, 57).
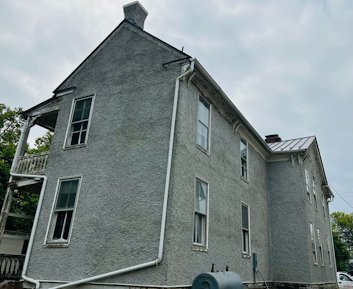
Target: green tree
point(342, 230)
point(10, 131)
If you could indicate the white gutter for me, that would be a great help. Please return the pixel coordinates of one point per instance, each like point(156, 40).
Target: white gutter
point(165, 202)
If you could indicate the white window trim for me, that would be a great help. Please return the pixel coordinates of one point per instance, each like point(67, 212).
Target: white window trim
point(247, 160)
point(74, 100)
point(323, 204)
point(319, 240)
point(207, 152)
point(313, 234)
point(247, 254)
point(307, 186)
point(329, 250)
point(47, 240)
point(313, 186)
point(204, 247)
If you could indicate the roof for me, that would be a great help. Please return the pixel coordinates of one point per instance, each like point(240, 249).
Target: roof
point(295, 144)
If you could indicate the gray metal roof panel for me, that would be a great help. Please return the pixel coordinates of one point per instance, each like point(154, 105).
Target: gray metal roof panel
point(296, 144)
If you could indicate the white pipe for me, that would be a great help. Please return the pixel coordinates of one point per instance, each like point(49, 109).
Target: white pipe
point(165, 202)
point(34, 226)
point(24, 133)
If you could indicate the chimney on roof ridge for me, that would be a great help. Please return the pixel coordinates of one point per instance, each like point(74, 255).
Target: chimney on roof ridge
point(135, 13)
point(271, 138)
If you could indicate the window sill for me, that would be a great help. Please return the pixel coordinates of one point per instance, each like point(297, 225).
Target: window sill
point(244, 179)
point(56, 245)
point(246, 255)
point(74, 147)
point(199, 248)
point(206, 152)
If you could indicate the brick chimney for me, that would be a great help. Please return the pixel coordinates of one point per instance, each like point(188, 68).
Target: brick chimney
point(271, 138)
point(135, 13)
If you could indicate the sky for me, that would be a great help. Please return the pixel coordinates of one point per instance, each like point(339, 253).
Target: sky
point(286, 65)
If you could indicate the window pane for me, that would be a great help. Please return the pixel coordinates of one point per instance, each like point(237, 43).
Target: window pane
point(203, 113)
point(60, 218)
point(199, 229)
point(67, 194)
point(83, 137)
point(201, 197)
point(74, 138)
point(202, 136)
point(245, 217)
point(67, 225)
point(245, 241)
point(82, 109)
point(76, 127)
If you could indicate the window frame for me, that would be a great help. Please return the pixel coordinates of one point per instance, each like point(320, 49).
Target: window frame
point(196, 245)
point(307, 185)
point(69, 125)
point(248, 230)
point(202, 99)
point(313, 186)
point(246, 143)
point(323, 204)
point(49, 241)
point(313, 242)
point(329, 253)
point(321, 249)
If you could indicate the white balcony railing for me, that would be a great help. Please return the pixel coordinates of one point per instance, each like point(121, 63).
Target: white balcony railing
point(32, 164)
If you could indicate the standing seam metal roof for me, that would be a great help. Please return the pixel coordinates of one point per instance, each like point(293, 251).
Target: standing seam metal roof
point(292, 144)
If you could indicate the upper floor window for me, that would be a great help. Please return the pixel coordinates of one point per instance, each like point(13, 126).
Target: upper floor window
point(245, 224)
point(203, 124)
point(323, 204)
point(313, 242)
point(79, 123)
point(329, 250)
point(307, 183)
point(200, 213)
point(62, 218)
point(244, 158)
point(321, 251)
point(314, 193)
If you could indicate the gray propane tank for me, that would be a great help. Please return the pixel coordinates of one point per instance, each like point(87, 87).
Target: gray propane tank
point(218, 280)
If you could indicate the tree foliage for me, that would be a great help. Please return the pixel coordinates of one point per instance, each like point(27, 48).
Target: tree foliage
point(10, 131)
point(342, 227)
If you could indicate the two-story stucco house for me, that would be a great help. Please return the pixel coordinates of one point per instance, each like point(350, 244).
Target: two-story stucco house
point(154, 175)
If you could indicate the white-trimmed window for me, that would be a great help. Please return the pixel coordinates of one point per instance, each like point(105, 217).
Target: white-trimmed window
point(200, 213)
point(203, 124)
point(63, 211)
point(307, 183)
point(79, 122)
point(313, 243)
point(321, 251)
point(244, 158)
point(323, 204)
point(245, 226)
point(314, 192)
point(329, 250)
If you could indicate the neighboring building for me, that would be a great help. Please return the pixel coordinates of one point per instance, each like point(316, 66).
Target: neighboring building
point(154, 174)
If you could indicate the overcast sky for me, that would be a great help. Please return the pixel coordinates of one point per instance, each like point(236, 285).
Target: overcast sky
point(287, 65)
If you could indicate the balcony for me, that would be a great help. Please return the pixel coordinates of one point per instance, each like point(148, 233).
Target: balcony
point(11, 266)
point(32, 164)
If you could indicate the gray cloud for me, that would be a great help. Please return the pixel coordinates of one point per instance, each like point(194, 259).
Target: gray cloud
point(286, 65)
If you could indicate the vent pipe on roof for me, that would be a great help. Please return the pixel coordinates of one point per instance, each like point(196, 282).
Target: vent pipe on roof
point(271, 138)
point(135, 13)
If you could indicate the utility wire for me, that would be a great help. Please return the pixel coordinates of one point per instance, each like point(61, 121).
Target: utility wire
point(341, 196)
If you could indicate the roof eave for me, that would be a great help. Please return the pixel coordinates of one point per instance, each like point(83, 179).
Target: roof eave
point(205, 74)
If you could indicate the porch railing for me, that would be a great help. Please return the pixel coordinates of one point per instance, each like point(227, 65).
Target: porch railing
point(32, 164)
point(11, 266)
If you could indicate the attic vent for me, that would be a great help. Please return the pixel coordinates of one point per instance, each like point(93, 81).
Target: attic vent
point(272, 138)
point(135, 14)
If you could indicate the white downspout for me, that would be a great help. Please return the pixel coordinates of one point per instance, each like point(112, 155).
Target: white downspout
point(165, 202)
point(40, 201)
point(34, 226)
